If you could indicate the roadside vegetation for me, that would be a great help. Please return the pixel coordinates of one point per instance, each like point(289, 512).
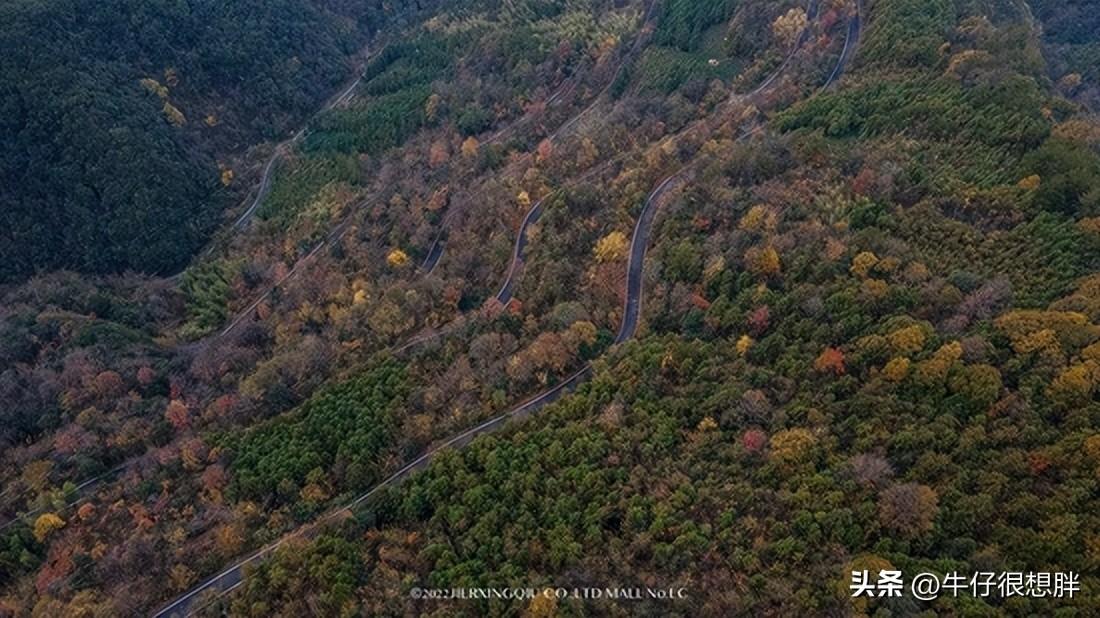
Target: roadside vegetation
point(870, 334)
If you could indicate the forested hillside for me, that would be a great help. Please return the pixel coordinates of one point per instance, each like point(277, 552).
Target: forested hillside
point(1070, 28)
point(737, 296)
point(120, 119)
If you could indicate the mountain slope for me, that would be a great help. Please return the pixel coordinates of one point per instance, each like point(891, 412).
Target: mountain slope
point(115, 117)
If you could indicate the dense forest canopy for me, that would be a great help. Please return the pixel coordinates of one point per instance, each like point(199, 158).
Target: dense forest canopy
point(118, 118)
point(738, 296)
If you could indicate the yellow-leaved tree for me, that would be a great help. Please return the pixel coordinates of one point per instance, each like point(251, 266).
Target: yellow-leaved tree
point(897, 369)
point(789, 26)
point(792, 445)
point(744, 344)
point(611, 248)
point(397, 258)
point(759, 218)
point(470, 146)
point(908, 340)
point(863, 263)
point(46, 524)
point(174, 116)
point(763, 261)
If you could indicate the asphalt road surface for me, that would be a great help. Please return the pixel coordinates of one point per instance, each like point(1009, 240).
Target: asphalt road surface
point(504, 296)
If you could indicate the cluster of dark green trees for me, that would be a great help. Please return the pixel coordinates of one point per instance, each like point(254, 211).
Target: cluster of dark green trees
point(346, 427)
point(398, 82)
point(683, 22)
point(113, 116)
point(690, 35)
point(396, 87)
point(1070, 27)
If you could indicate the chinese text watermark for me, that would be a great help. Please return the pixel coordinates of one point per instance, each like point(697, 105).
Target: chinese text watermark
point(928, 586)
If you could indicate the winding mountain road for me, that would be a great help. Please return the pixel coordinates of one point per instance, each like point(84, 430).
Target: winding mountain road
point(647, 16)
point(504, 296)
point(633, 304)
point(812, 7)
point(851, 43)
point(233, 576)
point(439, 243)
point(280, 148)
point(431, 259)
point(437, 248)
point(632, 309)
